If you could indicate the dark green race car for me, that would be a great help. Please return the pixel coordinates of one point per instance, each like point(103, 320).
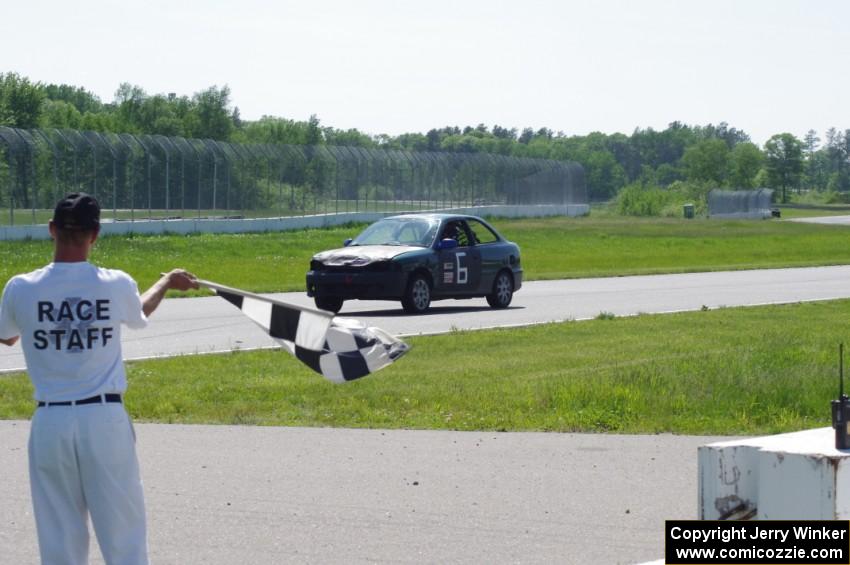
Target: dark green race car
point(417, 258)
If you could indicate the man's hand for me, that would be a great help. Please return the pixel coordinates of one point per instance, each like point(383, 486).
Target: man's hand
point(10, 341)
point(178, 279)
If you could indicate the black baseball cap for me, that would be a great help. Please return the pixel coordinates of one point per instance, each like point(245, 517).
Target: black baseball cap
point(77, 211)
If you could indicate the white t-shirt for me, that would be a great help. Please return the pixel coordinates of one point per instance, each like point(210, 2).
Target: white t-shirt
point(69, 317)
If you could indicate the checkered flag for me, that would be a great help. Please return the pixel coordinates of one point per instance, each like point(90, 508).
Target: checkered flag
point(339, 349)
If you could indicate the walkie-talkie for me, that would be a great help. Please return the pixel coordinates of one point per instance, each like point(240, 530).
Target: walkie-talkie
point(841, 407)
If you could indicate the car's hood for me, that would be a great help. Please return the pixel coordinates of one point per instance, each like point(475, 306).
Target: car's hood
point(362, 254)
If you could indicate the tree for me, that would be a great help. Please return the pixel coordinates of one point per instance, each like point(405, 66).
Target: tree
point(314, 132)
point(544, 133)
point(845, 151)
point(810, 145)
point(784, 154)
point(128, 100)
point(83, 100)
point(157, 115)
point(236, 118)
point(98, 121)
point(433, 137)
point(707, 161)
point(838, 153)
point(459, 144)
point(20, 101)
point(413, 141)
point(213, 118)
point(731, 136)
point(504, 133)
point(353, 137)
point(810, 142)
point(62, 115)
point(745, 163)
point(605, 176)
point(834, 150)
point(269, 129)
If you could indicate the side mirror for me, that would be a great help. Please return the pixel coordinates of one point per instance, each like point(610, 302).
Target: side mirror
point(347, 242)
point(447, 243)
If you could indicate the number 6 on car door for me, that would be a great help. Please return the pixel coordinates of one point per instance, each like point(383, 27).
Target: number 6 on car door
point(462, 273)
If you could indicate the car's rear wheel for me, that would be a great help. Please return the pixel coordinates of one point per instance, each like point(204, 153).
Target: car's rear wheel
point(329, 303)
point(417, 296)
point(503, 291)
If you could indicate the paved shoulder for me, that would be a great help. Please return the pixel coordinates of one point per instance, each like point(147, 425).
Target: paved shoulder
point(836, 220)
point(228, 494)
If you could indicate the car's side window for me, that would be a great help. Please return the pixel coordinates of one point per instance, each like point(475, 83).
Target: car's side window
point(462, 237)
point(481, 233)
point(454, 230)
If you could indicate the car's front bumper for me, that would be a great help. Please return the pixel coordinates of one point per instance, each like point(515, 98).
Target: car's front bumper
point(517, 279)
point(387, 285)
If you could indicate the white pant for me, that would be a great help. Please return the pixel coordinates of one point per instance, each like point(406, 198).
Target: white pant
point(83, 461)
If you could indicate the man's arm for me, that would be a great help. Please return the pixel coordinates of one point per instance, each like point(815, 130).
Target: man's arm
point(7, 323)
point(178, 279)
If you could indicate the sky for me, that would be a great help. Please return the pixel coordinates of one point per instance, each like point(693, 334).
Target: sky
point(382, 66)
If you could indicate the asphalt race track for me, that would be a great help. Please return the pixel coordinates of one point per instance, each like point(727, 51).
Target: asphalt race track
point(832, 220)
point(219, 495)
point(210, 324)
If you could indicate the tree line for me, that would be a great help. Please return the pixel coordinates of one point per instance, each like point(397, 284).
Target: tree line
point(682, 155)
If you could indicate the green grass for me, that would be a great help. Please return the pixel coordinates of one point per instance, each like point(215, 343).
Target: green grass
point(728, 371)
point(552, 248)
point(259, 262)
point(556, 248)
point(826, 210)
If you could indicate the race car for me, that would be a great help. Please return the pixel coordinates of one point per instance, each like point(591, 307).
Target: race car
point(417, 258)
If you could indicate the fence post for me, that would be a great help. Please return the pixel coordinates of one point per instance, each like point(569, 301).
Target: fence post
point(10, 155)
point(114, 174)
point(167, 154)
point(94, 164)
point(74, 149)
point(55, 151)
point(29, 147)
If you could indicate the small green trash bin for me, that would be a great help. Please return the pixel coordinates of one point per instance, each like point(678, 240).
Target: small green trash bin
point(689, 210)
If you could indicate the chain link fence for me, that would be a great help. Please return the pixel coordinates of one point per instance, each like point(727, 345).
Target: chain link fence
point(154, 177)
point(740, 203)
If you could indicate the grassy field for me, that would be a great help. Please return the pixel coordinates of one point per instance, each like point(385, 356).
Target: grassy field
point(552, 248)
point(825, 210)
point(728, 371)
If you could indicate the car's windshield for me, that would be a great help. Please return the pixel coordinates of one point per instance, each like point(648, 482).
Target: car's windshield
point(418, 232)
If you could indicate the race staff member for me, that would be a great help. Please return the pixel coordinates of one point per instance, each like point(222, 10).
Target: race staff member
point(82, 454)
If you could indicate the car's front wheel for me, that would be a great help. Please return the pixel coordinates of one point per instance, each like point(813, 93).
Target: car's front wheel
point(417, 296)
point(503, 291)
point(329, 303)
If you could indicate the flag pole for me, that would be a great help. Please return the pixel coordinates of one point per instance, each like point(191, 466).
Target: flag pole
point(220, 287)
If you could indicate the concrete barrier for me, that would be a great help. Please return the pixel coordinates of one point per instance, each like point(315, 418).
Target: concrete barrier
point(794, 476)
point(253, 225)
